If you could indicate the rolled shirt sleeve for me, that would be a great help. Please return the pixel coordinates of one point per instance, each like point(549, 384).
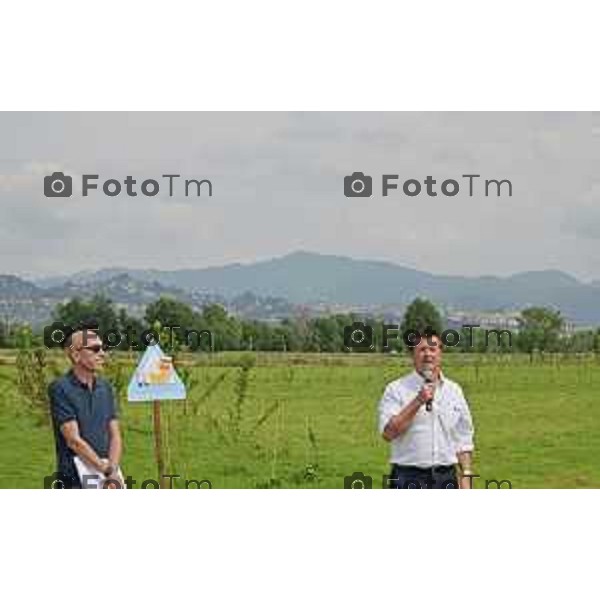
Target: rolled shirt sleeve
point(390, 405)
point(463, 427)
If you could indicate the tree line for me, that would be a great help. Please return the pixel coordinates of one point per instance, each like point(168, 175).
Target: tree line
point(540, 329)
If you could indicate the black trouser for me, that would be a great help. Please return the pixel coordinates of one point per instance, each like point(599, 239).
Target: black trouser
point(437, 477)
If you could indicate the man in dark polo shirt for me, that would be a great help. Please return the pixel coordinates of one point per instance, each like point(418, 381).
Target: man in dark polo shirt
point(84, 413)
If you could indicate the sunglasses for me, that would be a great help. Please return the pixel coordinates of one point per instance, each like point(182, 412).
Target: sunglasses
point(94, 349)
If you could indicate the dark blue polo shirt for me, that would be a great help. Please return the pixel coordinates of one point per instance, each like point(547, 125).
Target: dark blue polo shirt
point(93, 409)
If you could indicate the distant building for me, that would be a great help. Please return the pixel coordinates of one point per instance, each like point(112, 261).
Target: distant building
point(485, 320)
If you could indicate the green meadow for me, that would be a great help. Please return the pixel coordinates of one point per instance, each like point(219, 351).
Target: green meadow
point(309, 420)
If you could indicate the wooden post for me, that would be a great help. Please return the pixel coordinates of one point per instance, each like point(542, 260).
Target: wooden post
point(158, 453)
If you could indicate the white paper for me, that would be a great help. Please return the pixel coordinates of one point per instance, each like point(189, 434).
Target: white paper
point(92, 479)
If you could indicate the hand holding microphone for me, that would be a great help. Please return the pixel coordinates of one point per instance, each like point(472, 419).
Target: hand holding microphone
point(426, 396)
point(428, 390)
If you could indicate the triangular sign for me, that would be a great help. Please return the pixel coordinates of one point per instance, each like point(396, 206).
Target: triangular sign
point(155, 378)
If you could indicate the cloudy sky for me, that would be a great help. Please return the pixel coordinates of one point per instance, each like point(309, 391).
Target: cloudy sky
point(278, 187)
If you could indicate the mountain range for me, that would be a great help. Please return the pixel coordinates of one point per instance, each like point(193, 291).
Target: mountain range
point(310, 279)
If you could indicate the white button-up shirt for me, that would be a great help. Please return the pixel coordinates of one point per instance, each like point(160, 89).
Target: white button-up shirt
point(433, 438)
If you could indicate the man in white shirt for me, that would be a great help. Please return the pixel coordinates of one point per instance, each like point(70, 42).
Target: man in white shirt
point(427, 421)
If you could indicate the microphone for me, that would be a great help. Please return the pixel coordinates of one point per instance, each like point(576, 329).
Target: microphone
point(427, 374)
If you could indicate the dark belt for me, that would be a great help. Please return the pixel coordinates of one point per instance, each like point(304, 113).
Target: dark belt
point(441, 469)
point(439, 476)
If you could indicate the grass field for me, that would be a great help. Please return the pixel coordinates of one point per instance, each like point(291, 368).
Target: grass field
point(309, 420)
